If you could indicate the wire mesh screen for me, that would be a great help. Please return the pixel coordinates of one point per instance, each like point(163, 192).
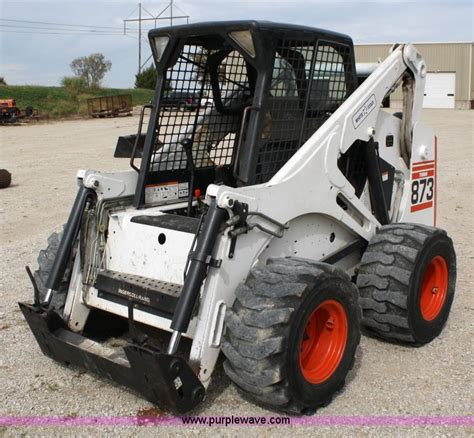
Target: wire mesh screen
point(285, 114)
point(188, 111)
point(332, 82)
point(308, 84)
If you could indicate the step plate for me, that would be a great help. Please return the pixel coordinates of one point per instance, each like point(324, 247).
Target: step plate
point(153, 296)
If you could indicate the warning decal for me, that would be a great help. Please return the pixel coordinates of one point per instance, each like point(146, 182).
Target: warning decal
point(163, 192)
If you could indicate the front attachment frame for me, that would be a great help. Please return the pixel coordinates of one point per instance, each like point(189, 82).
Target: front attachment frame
point(163, 379)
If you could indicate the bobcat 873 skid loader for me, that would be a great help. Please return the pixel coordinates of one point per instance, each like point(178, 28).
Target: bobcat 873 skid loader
point(270, 223)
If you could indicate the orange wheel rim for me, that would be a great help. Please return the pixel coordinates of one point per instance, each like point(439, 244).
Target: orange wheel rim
point(434, 288)
point(324, 341)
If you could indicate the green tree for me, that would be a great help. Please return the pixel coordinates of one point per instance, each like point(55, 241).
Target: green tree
point(91, 68)
point(74, 85)
point(2, 81)
point(146, 78)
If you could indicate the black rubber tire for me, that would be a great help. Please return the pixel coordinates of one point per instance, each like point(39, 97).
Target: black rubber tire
point(5, 178)
point(265, 326)
point(390, 277)
point(45, 263)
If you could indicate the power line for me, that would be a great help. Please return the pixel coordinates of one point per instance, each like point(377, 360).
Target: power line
point(64, 34)
point(89, 28)
point(177, 7)
point(59, 29)
point(60, 24)
point(149, 13)
point(131, 13)
point(151, 18)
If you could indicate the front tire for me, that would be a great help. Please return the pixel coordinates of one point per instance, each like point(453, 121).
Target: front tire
point(292, 334)
point(45, 264)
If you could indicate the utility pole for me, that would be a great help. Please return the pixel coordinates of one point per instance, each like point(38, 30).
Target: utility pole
point(139, 38)
point(171, 7)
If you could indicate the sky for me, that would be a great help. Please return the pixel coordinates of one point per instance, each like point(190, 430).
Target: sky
point(42, 56)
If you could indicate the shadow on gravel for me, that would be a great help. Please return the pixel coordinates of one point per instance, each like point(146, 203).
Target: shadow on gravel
point(352, 374)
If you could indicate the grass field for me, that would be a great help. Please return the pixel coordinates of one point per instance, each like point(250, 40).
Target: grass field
point(57, 102)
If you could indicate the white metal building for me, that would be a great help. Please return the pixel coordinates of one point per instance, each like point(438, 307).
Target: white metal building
point(450, 78)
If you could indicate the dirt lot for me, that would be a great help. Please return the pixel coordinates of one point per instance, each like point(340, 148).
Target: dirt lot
point(387, 379)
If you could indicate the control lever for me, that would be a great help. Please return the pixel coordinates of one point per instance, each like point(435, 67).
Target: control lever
point(243, 229)
point(137, 138)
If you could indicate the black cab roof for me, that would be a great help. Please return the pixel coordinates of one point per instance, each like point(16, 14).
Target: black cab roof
point(206, 28)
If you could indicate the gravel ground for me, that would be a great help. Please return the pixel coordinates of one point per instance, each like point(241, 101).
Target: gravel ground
point(387, 379)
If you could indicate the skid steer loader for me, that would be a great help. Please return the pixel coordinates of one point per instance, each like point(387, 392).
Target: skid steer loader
point(269, 225)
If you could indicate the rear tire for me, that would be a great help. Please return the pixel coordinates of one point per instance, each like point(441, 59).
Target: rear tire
point(406, 281)
point(45, 264)
point(270, 352)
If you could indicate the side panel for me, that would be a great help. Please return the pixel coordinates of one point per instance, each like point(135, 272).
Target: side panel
point(311, 236)
point(419, 202)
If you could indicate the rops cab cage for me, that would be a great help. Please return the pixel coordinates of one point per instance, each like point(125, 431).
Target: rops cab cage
point(235, 100)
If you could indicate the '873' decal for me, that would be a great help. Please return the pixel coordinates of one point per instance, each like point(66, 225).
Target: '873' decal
point(423, 185)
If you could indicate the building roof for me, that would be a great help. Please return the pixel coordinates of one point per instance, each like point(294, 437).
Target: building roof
point(415, 43)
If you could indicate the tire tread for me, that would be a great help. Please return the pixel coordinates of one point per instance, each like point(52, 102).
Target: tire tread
point(254, 340)
point(385, 276)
